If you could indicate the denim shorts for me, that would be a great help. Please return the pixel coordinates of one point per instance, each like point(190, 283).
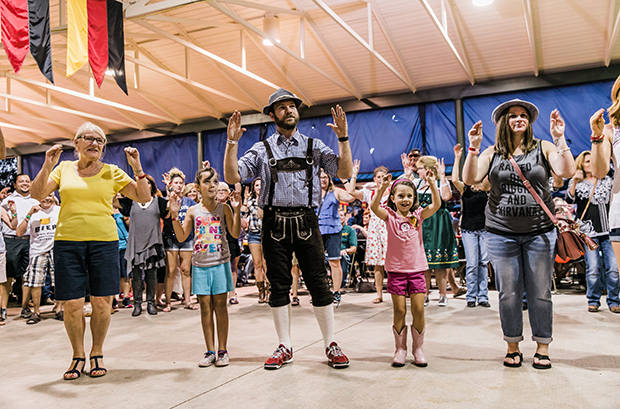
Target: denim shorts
point(123, 264)
point(253, 238)
point(614, 235)
point(172, 244)
point(332, 243)
point(212, 280)
point(84, 265)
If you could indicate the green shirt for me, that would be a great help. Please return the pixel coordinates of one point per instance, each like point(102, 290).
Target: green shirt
point(349, 237)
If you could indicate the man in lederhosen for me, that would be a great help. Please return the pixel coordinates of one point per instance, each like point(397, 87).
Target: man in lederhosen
point(289, 164)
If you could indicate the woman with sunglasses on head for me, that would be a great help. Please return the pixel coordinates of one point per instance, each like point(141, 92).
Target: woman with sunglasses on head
point(86, 240)
point(178, 253)
point(520, 235)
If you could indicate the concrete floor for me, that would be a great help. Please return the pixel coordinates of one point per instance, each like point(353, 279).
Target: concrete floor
point(152, 361)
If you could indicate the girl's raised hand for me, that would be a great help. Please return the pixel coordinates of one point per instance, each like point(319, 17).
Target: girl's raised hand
point(441, 167)
point(430, 178)
point(235, 199)
point(458, 151)
point(556, 125)
point(386, 181)
point(475, 135)
point(356, 167)
point(597, 122)
point(175, 203)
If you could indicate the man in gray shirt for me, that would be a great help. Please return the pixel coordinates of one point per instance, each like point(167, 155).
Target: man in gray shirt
point(289, 164)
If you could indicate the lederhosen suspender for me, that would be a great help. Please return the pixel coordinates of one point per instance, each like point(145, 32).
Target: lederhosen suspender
point(291, 164)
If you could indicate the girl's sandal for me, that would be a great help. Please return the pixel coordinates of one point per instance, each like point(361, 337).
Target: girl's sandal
point(167, 308)
point(377, 300)
point(191, 307)
point(97, 368)
point(68, 376)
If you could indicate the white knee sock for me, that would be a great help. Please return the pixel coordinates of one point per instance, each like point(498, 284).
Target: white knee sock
point(325, 317)
point(282, 320)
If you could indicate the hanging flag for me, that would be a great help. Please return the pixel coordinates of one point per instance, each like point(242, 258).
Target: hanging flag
point(98, 38)
point(77, 35)
point(14, 18)
point(40, 36)
point(116, 43)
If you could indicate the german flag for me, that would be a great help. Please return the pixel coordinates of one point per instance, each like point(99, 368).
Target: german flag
point(95, 35)
point(26, 27)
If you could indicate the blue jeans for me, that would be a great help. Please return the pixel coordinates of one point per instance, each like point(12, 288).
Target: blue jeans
point(602, 269)
point(477, 272)
point(524, 262)
point(345, 264)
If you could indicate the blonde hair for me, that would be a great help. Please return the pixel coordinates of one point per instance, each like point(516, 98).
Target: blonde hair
point(188, 188)
point(176, 173)
point(430, 164)
point(581, 160)
point(614, 109)
point(87, 127)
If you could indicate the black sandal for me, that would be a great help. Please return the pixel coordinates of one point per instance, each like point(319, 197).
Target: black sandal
point(512, 356)
point(541, 358)
point(97, 367)
point(74, 369)
point(34, 319)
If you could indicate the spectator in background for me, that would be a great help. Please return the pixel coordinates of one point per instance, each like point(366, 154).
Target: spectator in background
point(121, 227)
point(348, 246)
point(255, 229)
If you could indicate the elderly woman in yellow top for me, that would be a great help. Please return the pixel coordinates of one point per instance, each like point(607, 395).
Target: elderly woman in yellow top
point(86, 241)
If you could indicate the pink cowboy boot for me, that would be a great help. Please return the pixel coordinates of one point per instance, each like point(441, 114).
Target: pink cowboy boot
point(418, 343)
point(400, 339)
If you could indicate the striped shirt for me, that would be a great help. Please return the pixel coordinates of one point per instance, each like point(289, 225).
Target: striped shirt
point(291, 190)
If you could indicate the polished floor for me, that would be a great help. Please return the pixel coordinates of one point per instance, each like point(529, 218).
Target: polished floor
point(152, 361)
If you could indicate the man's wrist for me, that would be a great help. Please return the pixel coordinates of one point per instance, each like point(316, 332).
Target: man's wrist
point(343, 138)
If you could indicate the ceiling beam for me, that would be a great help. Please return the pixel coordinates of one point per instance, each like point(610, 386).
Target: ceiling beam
point(141, 8)
point(206, 53)
point(30, 114)
point(242, 89)
point(363, 42)
point(612, 31)
point(66, 110)
point(189, 21)
point(322, 42)
point(390, 39)
point(464, 63)
point(265, 7)
point(277, 44)
point(179, 79)
point(529, 25)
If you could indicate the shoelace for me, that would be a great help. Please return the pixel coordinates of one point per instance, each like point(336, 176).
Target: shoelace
point(279, 352)
point(335, 350)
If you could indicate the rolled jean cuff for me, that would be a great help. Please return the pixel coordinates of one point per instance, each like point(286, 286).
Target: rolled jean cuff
point(540, 340)
point(513, 339)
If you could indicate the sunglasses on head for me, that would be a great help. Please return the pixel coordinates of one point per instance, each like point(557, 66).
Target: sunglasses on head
point(414, 155)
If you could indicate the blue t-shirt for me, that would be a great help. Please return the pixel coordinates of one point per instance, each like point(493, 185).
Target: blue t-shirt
point(122, 231)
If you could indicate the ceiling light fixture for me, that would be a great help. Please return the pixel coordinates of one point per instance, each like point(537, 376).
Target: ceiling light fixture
point(482, 2)
point(271, 27)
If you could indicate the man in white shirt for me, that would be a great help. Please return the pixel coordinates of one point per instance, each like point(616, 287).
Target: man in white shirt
point(41, 220)
point(17, 248)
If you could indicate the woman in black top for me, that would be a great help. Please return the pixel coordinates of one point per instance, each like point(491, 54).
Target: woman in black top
point(473, 234)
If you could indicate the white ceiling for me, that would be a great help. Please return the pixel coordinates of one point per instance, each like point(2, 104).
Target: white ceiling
point(192, 60)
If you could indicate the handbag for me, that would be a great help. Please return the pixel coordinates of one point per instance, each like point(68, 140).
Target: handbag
point(364, 286)
point(570, 244)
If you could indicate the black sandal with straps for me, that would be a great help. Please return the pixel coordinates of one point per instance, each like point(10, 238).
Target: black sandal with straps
point(96, 368)
point(74, 370)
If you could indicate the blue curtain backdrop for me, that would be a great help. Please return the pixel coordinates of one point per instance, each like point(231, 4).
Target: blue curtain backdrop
point(575, 103)
point(157, 155)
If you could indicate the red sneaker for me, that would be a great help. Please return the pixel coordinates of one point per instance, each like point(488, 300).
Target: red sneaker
point(280, 356)
point(336, 358)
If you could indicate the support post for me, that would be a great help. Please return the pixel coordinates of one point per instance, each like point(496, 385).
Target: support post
point(200, 145)
point(460, 128)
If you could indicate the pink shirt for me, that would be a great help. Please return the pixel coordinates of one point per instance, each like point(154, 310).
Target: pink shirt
point(405, 249)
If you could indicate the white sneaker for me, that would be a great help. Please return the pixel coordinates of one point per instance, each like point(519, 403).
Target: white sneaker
point(443, 301)
point(222, 358)
point(207, 360)
point(426, 300)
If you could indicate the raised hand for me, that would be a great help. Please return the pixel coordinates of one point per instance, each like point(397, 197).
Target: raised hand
point(166, 179)
point(206, 164)
point(339, 126)
point(441, 167)
point(597, 122)
point(175, 203)
point(246, 194)
point(385, 182)
point(133, 158)
point(12, 206)
point(556, 125)
point(235, 199)
point(475, 135)
point(458, 152)
point(356, 167)
point(34, 209)
point(430, 178)
point(579, 176)
point(52, 155)
point(234, 127)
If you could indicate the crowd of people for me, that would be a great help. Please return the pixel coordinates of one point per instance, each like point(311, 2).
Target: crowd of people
point(117, 241)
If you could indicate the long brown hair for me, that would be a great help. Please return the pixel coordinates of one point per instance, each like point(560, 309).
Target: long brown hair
point(614, 109)
point(503, 137)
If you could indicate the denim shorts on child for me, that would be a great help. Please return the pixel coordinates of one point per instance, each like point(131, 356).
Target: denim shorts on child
point(253, 238)
point(86, 265)
point(614, 235)
point(172, 244)
point(212, 280)
point(332, 243)
point(406, 283)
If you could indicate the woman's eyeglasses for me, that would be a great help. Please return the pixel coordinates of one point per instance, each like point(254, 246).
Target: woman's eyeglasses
point(91, 140)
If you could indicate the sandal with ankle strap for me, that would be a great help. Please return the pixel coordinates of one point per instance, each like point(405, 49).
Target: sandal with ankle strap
point(74, 370)
point(97, 367)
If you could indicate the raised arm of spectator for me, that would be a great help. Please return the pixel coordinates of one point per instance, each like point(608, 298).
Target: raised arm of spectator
point(2, 145)
point(601, 150)
point(341, 129)
point(350, 185)
point(446, 191)
point(456, 176)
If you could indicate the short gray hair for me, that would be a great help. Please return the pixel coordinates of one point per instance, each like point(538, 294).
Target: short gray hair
point(89, 127)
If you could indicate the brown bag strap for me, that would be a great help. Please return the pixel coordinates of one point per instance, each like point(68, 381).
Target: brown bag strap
point(589, 200)
point(529, 187)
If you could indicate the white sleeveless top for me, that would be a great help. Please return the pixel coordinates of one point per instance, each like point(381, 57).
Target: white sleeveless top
point(614, 207)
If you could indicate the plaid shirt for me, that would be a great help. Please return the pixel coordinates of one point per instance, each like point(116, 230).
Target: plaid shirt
point(255, 224)
point(291, 190)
